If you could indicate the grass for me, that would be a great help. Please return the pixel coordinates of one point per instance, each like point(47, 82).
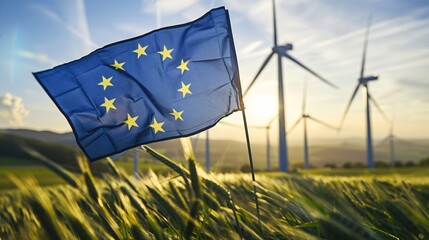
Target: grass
point(190, 204)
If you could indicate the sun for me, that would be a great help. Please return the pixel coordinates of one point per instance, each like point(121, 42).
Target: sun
point(261, 108)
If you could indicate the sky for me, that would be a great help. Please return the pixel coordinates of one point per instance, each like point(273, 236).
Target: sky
point(327, 36)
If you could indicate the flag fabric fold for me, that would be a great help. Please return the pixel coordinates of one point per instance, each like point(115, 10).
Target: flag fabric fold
point(169, 83)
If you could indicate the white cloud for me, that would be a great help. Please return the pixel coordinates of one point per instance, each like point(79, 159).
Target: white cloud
point(12, 111)
point(250, 49)
point(167, 7)
point(132, 29)
point(74, 21)
point(38, 57)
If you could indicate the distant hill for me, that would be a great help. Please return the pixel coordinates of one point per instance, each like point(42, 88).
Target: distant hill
point(228, 154)
point(67, 139)
point(14, 146)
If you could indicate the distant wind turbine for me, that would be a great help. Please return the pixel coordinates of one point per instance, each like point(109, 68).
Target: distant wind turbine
point(304, 116)
point(282, 51)
point(392, 139)
point(207, 150)
point(267, 128)
point(363, 81)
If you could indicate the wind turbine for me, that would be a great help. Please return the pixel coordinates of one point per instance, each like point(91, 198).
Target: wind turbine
point(267, 135)
point(282, 51)
point(304, 116)
point(207, 150)
point(267, 128)
point(391, 138)
point(363, 81)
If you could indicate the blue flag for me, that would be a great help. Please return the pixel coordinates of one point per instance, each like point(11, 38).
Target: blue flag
point(169, 83)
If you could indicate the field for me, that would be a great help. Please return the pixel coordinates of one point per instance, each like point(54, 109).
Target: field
point(315, 204)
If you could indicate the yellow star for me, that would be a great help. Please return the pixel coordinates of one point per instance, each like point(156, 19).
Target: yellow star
point(140, 50)
point(185, 89)
point(177, 115)
point(106, 82)
point(117, 65)
point(108, 104)
point(157, 126)
point(166, 53)
point(183, 66)
point(131, 121)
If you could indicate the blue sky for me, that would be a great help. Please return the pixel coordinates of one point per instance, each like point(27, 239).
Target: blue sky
point(327, 36)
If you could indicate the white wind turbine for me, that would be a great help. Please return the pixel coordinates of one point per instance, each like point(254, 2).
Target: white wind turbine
point(282, 51)
point(363, 82)
point(304, 116)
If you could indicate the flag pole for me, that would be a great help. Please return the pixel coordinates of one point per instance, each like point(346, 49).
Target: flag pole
point(249, 151)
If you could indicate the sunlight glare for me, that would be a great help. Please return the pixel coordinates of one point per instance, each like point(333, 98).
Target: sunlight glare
point(261, 108)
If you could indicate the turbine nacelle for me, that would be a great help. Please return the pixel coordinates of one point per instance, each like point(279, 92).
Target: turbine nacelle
point(283, 48)
point(368, 78)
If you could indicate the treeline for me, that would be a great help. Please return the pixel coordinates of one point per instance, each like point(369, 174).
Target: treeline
point(382, 164)
point(378, 164)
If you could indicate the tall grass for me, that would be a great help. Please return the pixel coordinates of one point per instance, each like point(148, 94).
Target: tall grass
point(193, 205)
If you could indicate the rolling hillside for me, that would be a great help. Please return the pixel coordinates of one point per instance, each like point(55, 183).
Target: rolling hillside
point(231, 155)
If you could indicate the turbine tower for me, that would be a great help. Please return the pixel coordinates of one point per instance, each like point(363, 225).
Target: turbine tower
point(282, 51)
point(391, 141)
point(392, 145)
point(207, 149)
point(304, 116)
point(363, 81)
point(267, 134)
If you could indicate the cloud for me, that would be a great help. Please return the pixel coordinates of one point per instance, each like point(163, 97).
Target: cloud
point(39, 57)
point(12, 110)
point(167, 7)
point(132, 29)
point(252, 50)
point(74, 22)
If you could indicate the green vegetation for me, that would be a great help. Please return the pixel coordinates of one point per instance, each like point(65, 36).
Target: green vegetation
point(192, 205)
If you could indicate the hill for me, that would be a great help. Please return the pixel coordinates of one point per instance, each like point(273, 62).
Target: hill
point(231, 155)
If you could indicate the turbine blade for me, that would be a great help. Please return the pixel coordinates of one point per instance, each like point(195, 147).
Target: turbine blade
point(322, 123)
point(240, 126)
point(294, 125)
point(378, 108)
point(274, 23)
point(409, 142)
point(257, 127)
point(348, 106)
point(383, 141)
point(230, 124)
point(365, 46)
point(272, 120)
point(259, 72)
point(304, 97)
point(286, 55)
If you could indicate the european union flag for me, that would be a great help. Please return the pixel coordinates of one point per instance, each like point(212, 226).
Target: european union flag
point(172, 82)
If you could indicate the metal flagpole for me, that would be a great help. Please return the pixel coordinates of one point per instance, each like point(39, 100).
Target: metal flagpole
point(249, 151)
point(136, 163)
point(207, 151)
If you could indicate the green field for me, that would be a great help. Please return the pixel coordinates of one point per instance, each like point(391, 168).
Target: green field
point(22, 168)
point(189, 204)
